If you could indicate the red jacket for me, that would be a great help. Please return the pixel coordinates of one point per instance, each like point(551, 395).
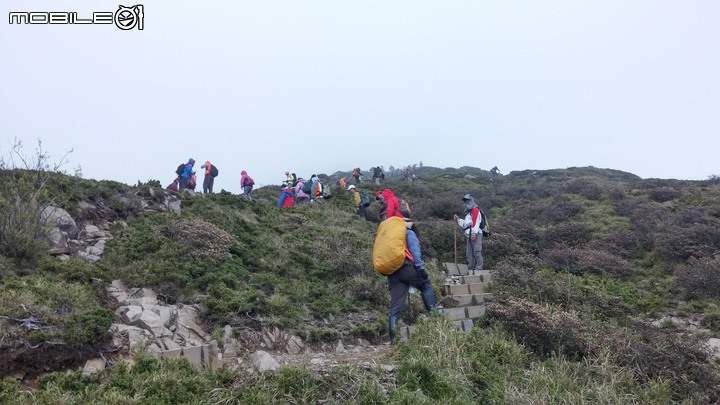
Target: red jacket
point(393, 205)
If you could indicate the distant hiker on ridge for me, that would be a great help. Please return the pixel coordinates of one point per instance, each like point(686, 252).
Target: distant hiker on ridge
point(210, 173)
point(247, 184)
point(300, 194)
point(356, 173)
point(187, 172)
point(287, 197)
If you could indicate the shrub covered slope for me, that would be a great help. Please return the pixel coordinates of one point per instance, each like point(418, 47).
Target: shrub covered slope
point(584, 259)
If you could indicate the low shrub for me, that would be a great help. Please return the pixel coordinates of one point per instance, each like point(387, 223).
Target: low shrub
point(580, 261)
point(541, 329)
point(657, 353)
point(700, 278)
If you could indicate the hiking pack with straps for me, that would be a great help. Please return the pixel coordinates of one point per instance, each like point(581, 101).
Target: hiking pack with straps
point(249, 182)
point(484, 225)
point(326, 191)
point(214, 171)
point(180, 169)
point(364, 198)
point(389, 250)
point(404, 208)
point(307, 188)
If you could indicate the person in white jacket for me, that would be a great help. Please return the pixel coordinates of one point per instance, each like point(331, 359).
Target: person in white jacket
point(472, 225)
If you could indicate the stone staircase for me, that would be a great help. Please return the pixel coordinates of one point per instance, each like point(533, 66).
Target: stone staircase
point(466, 294)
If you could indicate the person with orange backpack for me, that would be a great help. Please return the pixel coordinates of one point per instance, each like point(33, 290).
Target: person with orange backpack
point(396, 254)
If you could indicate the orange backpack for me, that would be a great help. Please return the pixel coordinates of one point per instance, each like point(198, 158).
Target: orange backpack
point(390, 248)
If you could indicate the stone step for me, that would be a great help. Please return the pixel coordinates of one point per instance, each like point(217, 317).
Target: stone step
point(472, 288)
point(469, 312)
point(462, 270)
point(461, 300)
point(456, 269)
point(464, 325)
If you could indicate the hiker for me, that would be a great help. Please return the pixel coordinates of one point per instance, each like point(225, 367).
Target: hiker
point(287, 197)
point(186, 173)
point(341, 182)
point(192, 182)
point(356, 173)
point(210, 173)
point(314, 180)
point(471, 224)
point(383, 205)
point(175, 186)
point(357, 200)
point(290, 179)
point(393, 205)
point(378, 174)
point(300, 194)
point(247, 184)
point(411, 274)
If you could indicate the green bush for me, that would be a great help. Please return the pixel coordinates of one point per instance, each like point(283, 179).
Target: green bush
point(89, 326)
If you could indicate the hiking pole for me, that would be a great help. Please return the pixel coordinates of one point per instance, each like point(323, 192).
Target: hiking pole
point(455, 233)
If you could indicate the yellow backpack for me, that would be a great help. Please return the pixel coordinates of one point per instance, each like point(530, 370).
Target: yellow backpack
point(390, 249)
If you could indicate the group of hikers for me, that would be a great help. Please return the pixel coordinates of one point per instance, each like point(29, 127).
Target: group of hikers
point(396, 253)
point(187, 179)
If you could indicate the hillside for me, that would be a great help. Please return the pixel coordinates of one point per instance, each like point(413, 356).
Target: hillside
point(606, 289)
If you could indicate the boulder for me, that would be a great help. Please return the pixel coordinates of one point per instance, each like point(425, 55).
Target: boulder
point(93, 232)
point(150, 321)
point(129, 314)
point(187, 325)
point(166, 314)
point(58, 242)
point(714, 345)
point(262, 361)
point(194, 355)
point(173, 204)
point(94, 366)
point(295, 345)
point(340, 348)
point(90, 258)
point(143, 297)
point(60, 219)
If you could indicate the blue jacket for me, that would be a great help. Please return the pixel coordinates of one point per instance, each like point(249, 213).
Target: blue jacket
point(414, 247)
point(188, 168)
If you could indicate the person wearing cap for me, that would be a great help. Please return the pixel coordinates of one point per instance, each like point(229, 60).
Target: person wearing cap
point(471, 224)
point(356, 200)
point(411, 274)
point(209, 180)
point(290, 179)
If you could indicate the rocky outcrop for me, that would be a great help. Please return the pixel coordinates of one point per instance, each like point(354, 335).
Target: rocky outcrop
point(87, 242)
point(162, 330)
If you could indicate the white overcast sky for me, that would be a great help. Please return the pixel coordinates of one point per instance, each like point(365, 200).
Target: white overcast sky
point(320, 86)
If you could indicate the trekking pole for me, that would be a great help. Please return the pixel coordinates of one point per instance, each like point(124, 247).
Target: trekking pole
point(455, 233)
